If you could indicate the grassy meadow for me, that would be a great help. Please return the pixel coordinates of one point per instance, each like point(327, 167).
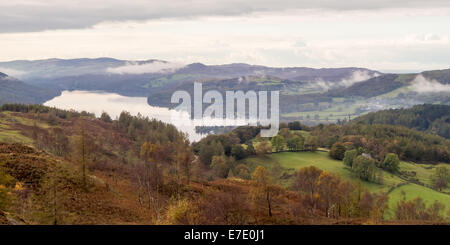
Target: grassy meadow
point(283, 166)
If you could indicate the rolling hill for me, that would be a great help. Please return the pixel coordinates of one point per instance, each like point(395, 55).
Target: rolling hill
point(283, 167)
point(428, 118)
point(15, 91)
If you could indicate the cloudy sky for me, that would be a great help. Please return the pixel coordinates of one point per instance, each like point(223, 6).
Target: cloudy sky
point(394, 35)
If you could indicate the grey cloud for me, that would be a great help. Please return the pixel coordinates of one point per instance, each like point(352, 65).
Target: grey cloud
point(38, 15)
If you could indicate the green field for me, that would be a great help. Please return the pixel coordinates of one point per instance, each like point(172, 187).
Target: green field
point(283, 166)
point(13, 136)
point(292, 161)
point(423, 172)
point(412, 191)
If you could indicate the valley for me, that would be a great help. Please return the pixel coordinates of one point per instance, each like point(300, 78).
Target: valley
point(102, 147)
point(311, 95)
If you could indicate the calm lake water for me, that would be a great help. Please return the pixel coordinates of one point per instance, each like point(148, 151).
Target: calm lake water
point(114, 104)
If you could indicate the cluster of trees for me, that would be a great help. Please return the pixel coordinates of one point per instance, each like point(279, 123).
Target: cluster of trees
point(416, 209)
point(164, 160)
point(286, 138)
point(40, 109)
point(315, 193)
point(362, 164)
point(163, 169)
point(220, 152)
point(295, 125)
point(379, 140)
point(141, 129)
point(336, 198)
point(429, 118)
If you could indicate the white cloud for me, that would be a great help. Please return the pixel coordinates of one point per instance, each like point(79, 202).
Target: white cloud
point(422, 85)
point(357, 76)
point(153, 67)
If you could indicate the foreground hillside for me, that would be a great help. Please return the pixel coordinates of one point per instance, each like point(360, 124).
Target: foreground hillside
point(65, 167)
point(71, 168)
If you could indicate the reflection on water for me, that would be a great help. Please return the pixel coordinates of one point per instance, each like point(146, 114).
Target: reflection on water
point(114, 104)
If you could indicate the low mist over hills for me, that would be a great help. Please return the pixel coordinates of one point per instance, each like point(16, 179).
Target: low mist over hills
point(140, 76)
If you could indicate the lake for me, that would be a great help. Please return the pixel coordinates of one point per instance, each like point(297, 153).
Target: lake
point(113, 104)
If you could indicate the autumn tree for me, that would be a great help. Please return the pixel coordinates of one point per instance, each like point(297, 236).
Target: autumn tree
point(238, 152)
point(278, 143)
point(416, 209)
point(60, 142)
point(373, 205)
point(441, 177)
point(346, 196)
point(312, 143)
point(349, 157)
point(381, 206)
point(223, 207)
point(285, 132)
point(250, 149)
point(84, 147)
point(207, 151)
point(105, 117)
point(263, 189)
point(242, 171)
point(391, 163)
point(51, 197)
point(264, 147)
point(183, 161)
point(365, 168)
point(337, 151)
point(296, 143)
point(180, 212)
point(149, 177)
point(306, 183)
point(326, 189)
point(220, 166)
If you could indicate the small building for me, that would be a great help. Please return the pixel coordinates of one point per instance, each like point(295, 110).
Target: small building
point(367, 155)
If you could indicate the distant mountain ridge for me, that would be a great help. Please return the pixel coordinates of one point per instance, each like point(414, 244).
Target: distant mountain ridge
point(111, 75)
point(52, 68)
point(313, 95)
